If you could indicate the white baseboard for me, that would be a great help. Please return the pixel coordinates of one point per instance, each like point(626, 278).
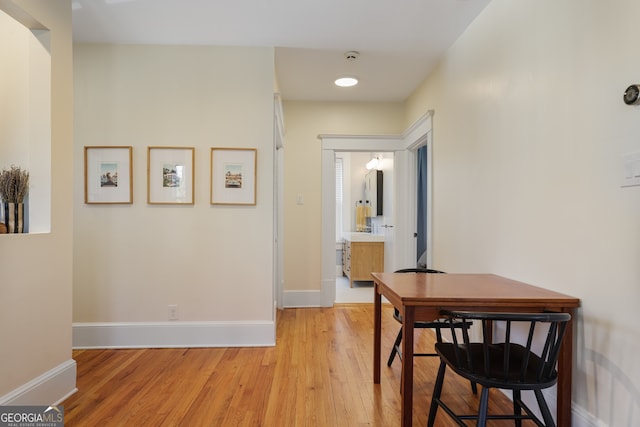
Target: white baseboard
point(295, 299)
point(579, 417)
point(50, 388)
point(582, 418)
point(173, 334)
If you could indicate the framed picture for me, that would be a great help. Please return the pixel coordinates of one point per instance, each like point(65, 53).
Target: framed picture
point(233, 176)
point(108, 175)
point(170, 175)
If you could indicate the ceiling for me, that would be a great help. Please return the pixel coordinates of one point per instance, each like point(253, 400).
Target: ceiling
point(399, 41)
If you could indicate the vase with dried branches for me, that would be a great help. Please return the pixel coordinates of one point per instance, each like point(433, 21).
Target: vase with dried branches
point(14, 187)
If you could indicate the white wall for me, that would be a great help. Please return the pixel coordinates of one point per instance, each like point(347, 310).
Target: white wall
point(529, 130)
point(356, 186)
point(36, 284)
point(214, 262)
point(354, 183)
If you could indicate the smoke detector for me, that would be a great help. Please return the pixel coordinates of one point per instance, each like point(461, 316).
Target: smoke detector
point(348, 81)
point(351, 55)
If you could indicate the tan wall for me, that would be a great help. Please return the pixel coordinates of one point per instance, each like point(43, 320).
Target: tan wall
point(529, 134)
point(304, 121)
point(35, 320)
point(214, 262)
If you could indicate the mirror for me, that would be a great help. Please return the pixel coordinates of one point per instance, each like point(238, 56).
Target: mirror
point(373, 191)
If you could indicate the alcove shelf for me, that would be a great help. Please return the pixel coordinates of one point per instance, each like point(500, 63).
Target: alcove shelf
point(25, 89)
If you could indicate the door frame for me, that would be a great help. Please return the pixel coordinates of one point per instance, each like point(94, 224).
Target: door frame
point(404, 147)
point(278, 204)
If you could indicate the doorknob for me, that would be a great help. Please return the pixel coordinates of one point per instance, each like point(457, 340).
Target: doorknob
point(386, 226)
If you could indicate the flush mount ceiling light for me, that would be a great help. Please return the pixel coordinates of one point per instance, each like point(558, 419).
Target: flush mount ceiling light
point(348, 81)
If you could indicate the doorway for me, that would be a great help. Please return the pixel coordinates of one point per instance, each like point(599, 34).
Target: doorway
point(422, 218)
point(354, 171)
point(404, 148)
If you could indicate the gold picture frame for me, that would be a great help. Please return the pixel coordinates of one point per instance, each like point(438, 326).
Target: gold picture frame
point(233, 176)
point(108, 174)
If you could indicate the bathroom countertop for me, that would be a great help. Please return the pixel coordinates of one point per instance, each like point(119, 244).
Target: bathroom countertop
point(358, 236)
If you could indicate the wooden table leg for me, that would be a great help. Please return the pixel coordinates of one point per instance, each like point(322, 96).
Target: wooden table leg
point(377, 332)
point(565, 362)
point(408, 321)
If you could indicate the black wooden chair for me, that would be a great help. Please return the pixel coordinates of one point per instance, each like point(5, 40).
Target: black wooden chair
point(499, 362)
point(437, 325)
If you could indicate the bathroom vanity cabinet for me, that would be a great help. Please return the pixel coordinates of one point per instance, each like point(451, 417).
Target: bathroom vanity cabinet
point(362, 254)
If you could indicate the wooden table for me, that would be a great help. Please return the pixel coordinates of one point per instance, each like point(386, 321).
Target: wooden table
point(421, 297)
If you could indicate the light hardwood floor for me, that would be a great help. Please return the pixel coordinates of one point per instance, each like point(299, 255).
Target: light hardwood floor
point(319, 374)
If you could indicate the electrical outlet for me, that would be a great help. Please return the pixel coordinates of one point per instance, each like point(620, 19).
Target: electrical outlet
point(173, 312)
